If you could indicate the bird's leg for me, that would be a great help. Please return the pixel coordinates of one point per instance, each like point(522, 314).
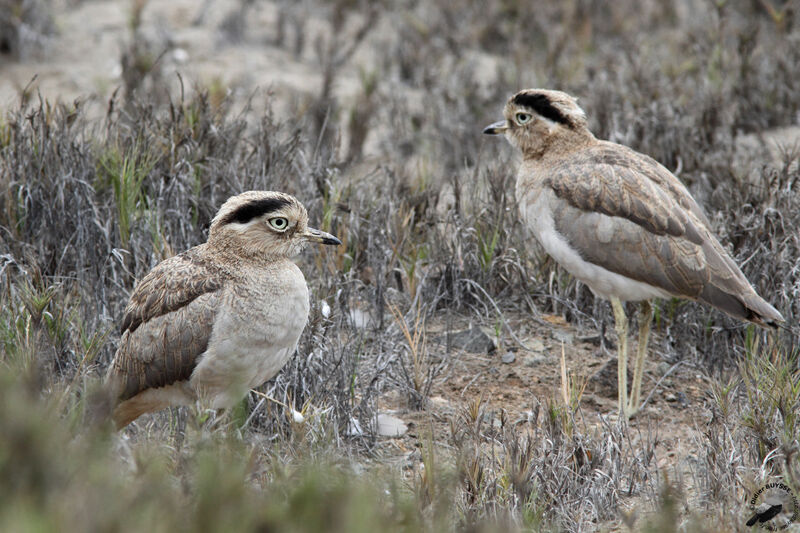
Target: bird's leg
point(621, 325)
point(645, 318)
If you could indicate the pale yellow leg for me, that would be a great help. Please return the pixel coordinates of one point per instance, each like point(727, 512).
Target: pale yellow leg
point(645, 318)
point(621, 325)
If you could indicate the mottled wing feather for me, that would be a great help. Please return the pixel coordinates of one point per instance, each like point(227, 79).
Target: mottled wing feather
point(167, 323)
point(676, 265)
point(172, 284)
point(163, 350)
point(622, 156)
point(627, 185)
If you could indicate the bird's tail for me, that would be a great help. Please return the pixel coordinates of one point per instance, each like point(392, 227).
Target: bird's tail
point(762, 312)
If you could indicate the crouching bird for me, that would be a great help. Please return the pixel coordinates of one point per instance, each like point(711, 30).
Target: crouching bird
point(619, 222)
point(220, 318)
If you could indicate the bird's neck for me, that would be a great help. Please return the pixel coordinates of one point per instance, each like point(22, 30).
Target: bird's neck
point(245, 256)
point(558, 145)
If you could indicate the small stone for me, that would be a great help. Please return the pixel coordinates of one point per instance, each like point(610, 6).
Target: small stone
point(508, 358)
point(535, 345)
point(439, 401)
point(441, 405)
point(670, 397)
point(391, 426)
point(471, 340)
point(683, 399)
point(662, 368)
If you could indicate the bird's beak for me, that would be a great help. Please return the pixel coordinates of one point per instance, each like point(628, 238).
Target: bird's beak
point(315, 235)
point(496, 128)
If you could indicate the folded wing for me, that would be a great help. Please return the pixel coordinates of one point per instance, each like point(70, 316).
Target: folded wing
point(167, 325)
point(625, 215)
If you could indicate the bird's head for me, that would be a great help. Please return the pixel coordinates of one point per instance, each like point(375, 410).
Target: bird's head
point(536, 118)
point(265, 223)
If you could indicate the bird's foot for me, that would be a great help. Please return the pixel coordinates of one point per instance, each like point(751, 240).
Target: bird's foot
point(630, 411)
point(627, 408)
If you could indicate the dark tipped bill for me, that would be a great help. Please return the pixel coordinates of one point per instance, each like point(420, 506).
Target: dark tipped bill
point(496, 128)
point(315, 235)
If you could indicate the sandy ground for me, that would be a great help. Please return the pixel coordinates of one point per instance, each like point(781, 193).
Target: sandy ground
point(673, 418)
point(82, 60)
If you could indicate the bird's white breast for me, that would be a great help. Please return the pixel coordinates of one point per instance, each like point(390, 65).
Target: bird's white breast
point(255, 333)
point(536, 207)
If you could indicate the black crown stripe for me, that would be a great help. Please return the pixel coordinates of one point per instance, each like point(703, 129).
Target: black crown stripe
point(541, 104)
point(255, 208)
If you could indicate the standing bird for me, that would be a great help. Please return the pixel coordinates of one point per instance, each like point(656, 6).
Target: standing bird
point(618, 221)
point(221, 317)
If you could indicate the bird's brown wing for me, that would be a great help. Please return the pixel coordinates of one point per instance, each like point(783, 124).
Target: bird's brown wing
point(171, 284)
point(674, 264)
point(622, 156)
point(167, 324)
point(621, 183)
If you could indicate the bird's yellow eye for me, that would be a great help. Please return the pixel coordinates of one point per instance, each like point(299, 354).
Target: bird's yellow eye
point(279, 223)
point(523, 118)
